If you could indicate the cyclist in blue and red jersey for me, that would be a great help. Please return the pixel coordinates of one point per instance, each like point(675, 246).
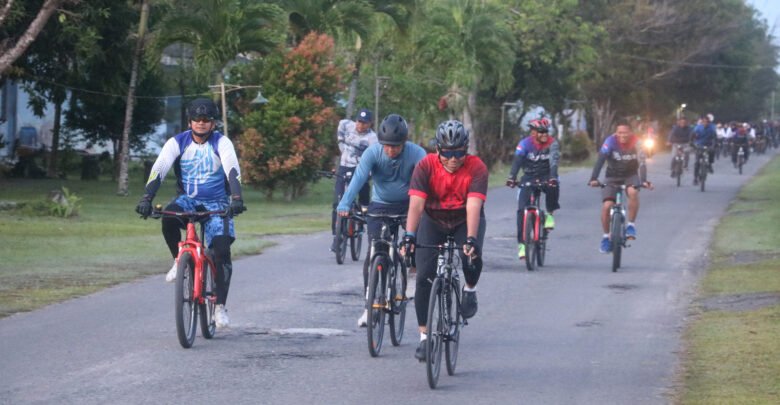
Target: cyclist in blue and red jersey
point(741, 138)
point(625, 165)
point(208, 179)
point(447, 194)
point(538, 155)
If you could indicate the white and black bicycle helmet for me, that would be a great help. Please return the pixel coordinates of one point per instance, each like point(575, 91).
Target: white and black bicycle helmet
point(451, 135)
point(393, 130)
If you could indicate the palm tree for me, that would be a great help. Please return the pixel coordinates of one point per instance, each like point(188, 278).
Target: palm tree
point(221, 30)
point(473, 42)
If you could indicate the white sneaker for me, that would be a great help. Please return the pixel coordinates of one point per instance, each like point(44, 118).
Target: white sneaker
point(363, 321)
point(221, 317)
point(171, 276)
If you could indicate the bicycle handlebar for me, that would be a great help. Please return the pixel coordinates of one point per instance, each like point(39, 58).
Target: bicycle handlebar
point(535, 184)
point(157, 214)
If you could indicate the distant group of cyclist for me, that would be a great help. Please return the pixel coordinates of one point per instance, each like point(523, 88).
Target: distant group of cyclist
point(441, 193)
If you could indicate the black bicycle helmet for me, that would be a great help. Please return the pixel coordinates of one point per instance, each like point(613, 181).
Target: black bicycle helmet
point(393, 130)
point(451, 135)
point(202, 107)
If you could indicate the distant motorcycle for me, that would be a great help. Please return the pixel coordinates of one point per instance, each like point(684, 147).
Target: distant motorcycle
point(648, 144)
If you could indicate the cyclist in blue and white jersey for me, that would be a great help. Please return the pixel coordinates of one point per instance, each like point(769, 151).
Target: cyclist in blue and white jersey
point(390, 163)
point(704, 134)
point(208, 179)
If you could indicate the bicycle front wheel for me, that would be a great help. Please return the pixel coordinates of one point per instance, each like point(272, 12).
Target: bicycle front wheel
point(616, 236)
point(186, 310)
point(436, 331)
point(355, 239)
point(453, 320)
point(376, 303)
point(206, 310)
point(530, 241)
point(341, 240)
point(397, 318)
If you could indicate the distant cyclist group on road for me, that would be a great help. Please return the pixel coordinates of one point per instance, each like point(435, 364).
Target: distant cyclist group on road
point(440, 194)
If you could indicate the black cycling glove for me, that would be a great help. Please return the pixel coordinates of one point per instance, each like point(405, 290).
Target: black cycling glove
point(472, 241)
point(144, 207)
point(408, 242)
point(237, 206)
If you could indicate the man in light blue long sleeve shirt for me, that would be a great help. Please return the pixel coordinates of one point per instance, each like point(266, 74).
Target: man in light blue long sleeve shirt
point(390, 164)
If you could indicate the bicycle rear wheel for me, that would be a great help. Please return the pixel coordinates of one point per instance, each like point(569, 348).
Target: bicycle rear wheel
point(616, 236)
point(341, 239)
point(740, 162)
point(376, 303)
point(186, 310)
point(206, 310)
point(355, 239)
point(530, 242)
point(452, 343)
point(435, 327)
point(397, 318)
point(542, 250)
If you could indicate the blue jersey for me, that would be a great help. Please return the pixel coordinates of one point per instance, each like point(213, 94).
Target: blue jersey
point(391, 176)
point(623, 160)
point(539, 161)
point(704, 135)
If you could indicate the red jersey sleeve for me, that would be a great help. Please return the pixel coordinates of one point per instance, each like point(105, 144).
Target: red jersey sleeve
point(419, 185)
point(479, 178)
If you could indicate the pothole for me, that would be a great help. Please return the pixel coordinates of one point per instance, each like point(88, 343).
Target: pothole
point(740, 302)
point(622, 287)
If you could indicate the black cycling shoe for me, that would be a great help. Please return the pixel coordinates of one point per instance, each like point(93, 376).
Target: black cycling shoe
point(419, 354)
point(468, 307)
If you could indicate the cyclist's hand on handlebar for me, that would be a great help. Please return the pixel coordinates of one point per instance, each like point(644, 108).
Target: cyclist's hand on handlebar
point(144, 207)
point(594, 183)
point(552, 182)
point(343, 213)
point(648, 185)
point(407, 244)
point(510, 182)
point(471, 247)
point(237, 205)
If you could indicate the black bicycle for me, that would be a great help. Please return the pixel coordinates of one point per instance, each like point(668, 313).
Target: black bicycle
point(444, 312)
point(350, 228)
point(740, 158)
point(533, 232)
point(617, 225)
point(702, 166)
point(678, 162)
point(387, 280)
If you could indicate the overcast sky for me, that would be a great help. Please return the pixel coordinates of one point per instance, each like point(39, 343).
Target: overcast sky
point(770, 9)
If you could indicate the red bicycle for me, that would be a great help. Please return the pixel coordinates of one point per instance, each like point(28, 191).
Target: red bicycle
point(195, 294)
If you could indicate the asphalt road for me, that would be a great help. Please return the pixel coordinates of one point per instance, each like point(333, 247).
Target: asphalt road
point(573, 332)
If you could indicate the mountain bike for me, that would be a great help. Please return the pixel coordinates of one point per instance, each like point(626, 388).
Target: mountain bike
point(703, 166)
point(386, 286)
point(678, 162)
point(740, 158)
point(348, 229)
point(444, 314)
point(195, 293)
point(533, 232)
point(617, 225)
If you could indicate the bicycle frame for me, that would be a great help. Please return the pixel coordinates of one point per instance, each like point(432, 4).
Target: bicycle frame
point(533, 206)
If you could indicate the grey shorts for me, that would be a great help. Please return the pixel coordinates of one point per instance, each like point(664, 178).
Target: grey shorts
point(609, 192)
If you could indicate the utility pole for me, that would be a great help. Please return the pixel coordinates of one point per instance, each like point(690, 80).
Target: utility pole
point(378, 80)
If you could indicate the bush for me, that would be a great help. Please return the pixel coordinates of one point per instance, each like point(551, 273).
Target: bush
point(60, 203)
point(577, 147)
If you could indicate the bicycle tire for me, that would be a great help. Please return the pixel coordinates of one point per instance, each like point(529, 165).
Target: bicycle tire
point(375, 304)
point(355, 240)
point(616, 237)
point(186, 310)
point(341, 240)
point(435, 327)
point(208, 326)
point(541, 253)
point(702, 175)
point(740, 162)
point(530, 244)
point(452, 343)
point(397, 319)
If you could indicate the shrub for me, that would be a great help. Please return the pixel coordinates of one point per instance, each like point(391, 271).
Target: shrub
point(577, 147)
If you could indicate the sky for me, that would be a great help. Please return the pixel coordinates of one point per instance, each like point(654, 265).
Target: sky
point(770, 10)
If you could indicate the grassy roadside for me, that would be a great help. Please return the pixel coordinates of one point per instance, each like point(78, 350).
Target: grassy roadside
point(733, 342)
point(47, 259)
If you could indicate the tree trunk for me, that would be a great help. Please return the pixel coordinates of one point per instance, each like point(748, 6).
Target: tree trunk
point(470, 121)
point(55, 141)
point(603, 117)
point(8, 57)
point(125, 148)
point(353, 89)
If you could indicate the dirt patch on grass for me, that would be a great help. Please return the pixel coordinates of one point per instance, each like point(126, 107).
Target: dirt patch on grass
point(747, 257)
point(740, 302)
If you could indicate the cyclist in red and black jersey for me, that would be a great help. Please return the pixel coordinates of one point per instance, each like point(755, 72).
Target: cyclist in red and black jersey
point(447, 192)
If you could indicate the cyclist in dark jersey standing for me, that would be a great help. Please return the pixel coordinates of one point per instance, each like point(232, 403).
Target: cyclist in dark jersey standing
point(447, 192)
point(538, 155)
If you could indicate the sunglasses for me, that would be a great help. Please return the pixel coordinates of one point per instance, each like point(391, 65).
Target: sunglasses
point(449, 154)
point(202, 120)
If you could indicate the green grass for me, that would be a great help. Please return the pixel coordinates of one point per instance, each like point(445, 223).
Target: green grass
point(733, 354)
point(47, 259)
